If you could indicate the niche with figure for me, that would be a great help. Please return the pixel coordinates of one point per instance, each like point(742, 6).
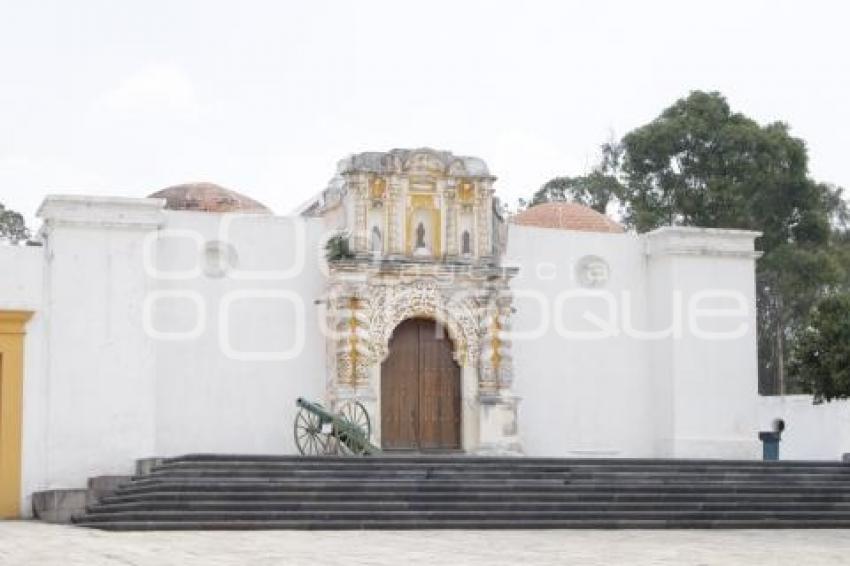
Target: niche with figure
point(376, 242)
point(422, 233)
point(466, 244)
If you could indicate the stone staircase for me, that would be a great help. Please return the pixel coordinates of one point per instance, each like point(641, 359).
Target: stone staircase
point(463, 492)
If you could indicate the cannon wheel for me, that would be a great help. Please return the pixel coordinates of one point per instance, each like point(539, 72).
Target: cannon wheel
point(355, 413)
point(308, 434)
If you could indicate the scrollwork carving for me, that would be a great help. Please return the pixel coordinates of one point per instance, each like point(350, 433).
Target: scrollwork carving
point(392, 304)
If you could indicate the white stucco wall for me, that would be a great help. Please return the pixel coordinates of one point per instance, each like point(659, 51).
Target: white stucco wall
point(580, 396)
point(120, 367)
point(209, 399)
point(21, 288)
point(812, 432)
point(652, 387)
point(704, 383)
point(98, 378)
point(20, 277)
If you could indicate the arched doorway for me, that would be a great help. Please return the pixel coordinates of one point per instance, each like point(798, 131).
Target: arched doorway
point(420, 389)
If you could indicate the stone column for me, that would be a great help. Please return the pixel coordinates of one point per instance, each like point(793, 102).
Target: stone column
point(341, 319)
point(395, 242)
point(360, 203)
point(496, 357)
point(503, 328)
point(488, 380)
point(352, 341)
point(497, 404)
point(451, 223)
point(483, 223)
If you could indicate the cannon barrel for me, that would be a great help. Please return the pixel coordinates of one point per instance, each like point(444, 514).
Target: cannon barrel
point(316, 409)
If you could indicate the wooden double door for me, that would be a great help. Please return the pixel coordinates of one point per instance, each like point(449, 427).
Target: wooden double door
point(420, 389)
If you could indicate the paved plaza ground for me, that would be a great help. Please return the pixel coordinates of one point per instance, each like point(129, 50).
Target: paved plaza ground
point(27, 543)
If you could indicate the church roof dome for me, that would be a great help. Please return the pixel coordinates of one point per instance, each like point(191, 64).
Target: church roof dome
point(207, 197)
point(567, 216)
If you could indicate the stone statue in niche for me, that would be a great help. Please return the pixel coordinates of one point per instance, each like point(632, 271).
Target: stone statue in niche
point(376, 242)
point(466, 243)
point(420, 247)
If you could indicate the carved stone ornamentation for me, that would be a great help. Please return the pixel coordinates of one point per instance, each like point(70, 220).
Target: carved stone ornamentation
point(483, 221)
point(394, 241)
point(423, 227)
point(392, 304)
point(451, 224)
point(361, 214)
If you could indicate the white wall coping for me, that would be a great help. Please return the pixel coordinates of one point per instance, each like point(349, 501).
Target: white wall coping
point(567, 232)
point(686, 240)
point(108, 212)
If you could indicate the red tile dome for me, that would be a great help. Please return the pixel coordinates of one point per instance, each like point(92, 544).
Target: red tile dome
point(567, 216)
point(207, 197)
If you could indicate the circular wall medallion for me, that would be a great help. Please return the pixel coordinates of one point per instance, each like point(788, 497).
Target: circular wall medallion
point(592, 272)
point(219, 258)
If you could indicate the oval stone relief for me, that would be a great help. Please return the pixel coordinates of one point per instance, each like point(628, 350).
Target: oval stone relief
point(219, 258)
point(592, 272)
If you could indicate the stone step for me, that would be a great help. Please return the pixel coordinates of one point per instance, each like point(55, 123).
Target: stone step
point(489, 480)
point(254, 484)
point(606, 463)
point(495, 506)
point(578, 473)
point(251, 484)
point(354, 475)
point(609, 496)
point(504, 464)
point(396, 524)
point(238, 491)
point(447, 515)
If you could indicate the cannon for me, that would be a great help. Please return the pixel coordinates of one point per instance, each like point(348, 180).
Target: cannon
point(318, 432)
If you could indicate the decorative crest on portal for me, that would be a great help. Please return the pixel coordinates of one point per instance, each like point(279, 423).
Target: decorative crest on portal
point(414, 203)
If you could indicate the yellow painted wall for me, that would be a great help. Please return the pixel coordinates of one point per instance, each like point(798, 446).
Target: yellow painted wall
point(11, 409)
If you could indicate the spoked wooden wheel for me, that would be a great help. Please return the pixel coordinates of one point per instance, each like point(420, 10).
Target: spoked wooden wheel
point(337, 447)
point(355, 413)
point(309, 438)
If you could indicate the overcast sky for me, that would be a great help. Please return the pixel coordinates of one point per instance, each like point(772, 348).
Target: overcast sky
point(121, 98)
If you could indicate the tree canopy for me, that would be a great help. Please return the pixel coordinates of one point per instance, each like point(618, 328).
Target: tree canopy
point(821, 357)
point(12, 226)
point(597, 190)
point(701, 164)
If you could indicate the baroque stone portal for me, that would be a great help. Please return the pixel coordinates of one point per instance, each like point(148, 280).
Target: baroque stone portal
point(426, 241)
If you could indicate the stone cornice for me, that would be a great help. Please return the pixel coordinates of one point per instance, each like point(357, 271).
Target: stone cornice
point(424, 267)
point(687, 241)
point(105, 212)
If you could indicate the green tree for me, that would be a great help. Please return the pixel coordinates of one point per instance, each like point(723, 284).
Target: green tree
point(597, 190)
point(821, 356)
point(701, 164)
point(12, 226)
